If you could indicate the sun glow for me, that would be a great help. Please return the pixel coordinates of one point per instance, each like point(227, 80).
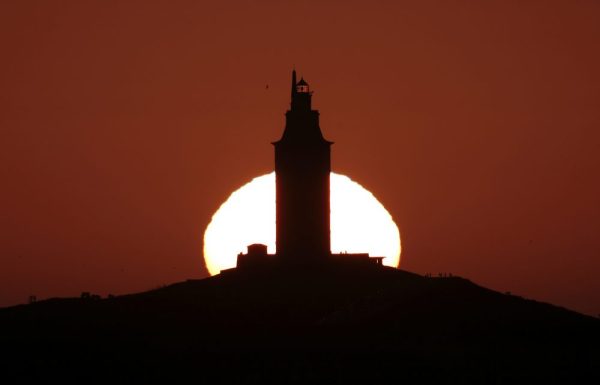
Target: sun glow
point(359, 223)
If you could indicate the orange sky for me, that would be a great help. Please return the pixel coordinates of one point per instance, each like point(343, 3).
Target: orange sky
point(125, 124)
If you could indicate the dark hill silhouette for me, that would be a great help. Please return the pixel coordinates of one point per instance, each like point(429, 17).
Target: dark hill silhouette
point(337, 324)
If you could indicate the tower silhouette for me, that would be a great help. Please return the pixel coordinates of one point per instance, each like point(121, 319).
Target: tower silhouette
point(302, 168)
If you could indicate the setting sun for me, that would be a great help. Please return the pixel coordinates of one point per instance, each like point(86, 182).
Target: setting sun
point(359, 223)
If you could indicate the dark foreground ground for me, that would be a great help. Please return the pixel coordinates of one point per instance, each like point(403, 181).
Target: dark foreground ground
point(339, 325)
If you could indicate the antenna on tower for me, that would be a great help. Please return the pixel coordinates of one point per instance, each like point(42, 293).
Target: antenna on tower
point(293, 83)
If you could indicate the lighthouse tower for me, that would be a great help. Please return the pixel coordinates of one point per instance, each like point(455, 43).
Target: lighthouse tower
point(302, 167)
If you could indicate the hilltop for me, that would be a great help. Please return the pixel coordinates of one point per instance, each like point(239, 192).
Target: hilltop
point(338, 324)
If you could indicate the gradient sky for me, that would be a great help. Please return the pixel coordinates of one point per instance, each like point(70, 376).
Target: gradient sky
point(125, 124)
